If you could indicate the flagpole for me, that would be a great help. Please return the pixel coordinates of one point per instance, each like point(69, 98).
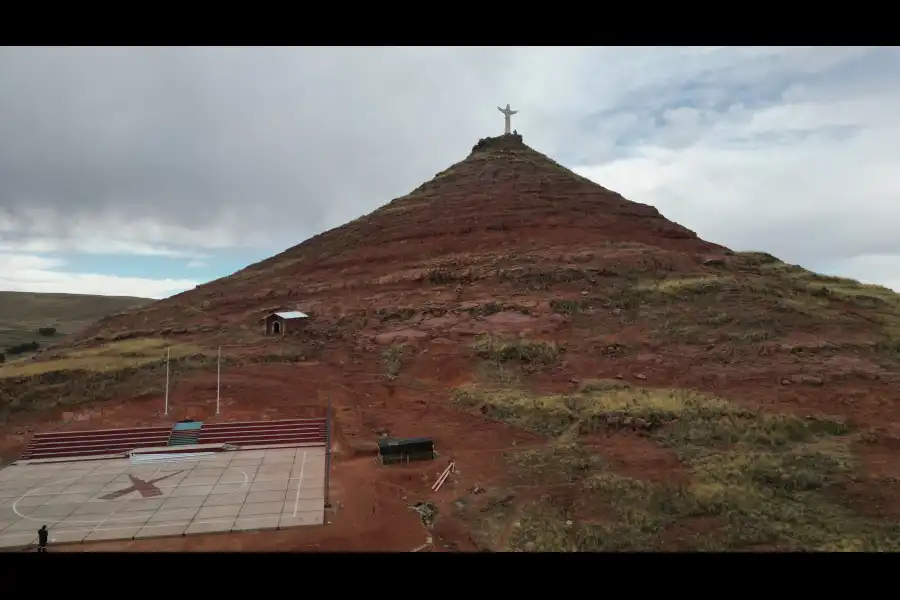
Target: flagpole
point(167, 383)
point(218, 376)
point(328, 452)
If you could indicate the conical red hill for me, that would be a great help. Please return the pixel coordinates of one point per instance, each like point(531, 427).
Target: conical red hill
point(505, 203)
point(503, 195)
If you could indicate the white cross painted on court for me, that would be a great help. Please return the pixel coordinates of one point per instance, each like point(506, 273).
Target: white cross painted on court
point(508, 113)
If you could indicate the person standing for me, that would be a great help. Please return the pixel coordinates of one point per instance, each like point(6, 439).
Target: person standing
point(42, 538)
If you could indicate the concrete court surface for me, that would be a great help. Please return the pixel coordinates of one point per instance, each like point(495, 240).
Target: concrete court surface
point(118, 499)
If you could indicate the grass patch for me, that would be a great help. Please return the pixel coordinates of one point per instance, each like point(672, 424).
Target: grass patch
point(537, 278)
point(499, 374)
point(602, 385)
point(757, 479)
point(392, 358)
point(568, 307)
point(547, 415)
point(687, 286)
point(398, 314)
point(73, 387)
point(487, 309)
point(751, 336)
point(684, 333)
point(286, 354)
point(522, 350)
point(555, 464)
point(715, 319)
point(688, 325)
point(447, 276)
point(113, 356)
point(812, 292)
point(758, 298)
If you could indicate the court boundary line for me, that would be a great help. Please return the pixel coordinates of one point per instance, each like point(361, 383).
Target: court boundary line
point(299, 483)
point(117, 517)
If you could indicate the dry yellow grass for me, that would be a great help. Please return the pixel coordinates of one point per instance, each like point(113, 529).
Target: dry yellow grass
point(518, 349)
point(113, 356)
point(753, 298)
point(757, 479)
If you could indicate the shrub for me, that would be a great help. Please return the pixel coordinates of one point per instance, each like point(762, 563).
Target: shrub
point(23, 348)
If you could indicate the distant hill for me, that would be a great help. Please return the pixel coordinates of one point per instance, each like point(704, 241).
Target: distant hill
point(23, 314)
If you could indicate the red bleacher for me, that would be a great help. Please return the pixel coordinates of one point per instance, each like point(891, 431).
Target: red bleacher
point(62, 444)
point(74, 444)
point(258, 433)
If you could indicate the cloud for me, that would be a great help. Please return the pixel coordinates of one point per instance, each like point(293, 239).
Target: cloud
point(808, 175)
point(248, 141)
point(89, 246)
point(881, 269)
point(187, 152)
point(27, 273)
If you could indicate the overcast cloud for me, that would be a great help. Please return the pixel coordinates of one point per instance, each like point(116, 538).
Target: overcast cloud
point(143, 171)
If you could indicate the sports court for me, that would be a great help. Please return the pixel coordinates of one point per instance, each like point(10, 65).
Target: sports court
point(134, 498)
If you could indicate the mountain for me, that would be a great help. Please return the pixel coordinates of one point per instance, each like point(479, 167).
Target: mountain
point(603, 378)
point(23, 314)
point(503, 216)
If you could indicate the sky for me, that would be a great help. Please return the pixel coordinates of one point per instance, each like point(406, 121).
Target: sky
point(146, 171)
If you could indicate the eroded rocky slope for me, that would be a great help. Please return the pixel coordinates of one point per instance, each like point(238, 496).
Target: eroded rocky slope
point(505, 220)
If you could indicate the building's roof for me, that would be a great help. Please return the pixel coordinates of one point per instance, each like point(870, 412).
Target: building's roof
point(293, 314)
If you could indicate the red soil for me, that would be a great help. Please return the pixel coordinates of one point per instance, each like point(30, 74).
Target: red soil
point(488, 246)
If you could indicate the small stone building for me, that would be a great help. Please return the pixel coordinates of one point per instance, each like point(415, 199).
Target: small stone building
point(280, 323)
